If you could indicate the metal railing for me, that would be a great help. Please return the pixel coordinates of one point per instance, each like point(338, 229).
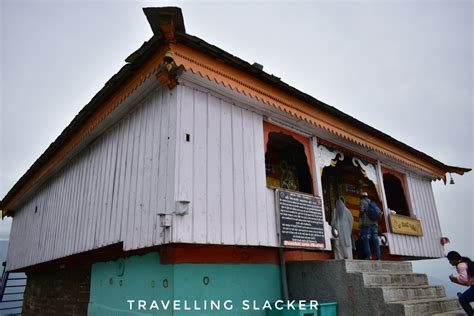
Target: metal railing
point(12, 288)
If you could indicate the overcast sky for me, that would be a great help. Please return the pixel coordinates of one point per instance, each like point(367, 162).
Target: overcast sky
point(405, 68)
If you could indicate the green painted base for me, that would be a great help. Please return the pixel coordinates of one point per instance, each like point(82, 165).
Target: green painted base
point(141, 285)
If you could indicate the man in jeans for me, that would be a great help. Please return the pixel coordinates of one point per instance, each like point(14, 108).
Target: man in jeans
point(368, 229)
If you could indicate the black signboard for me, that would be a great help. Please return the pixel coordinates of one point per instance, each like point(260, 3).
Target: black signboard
point(301, 220)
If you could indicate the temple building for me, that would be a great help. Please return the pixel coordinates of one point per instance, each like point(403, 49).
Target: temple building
point(194, 175)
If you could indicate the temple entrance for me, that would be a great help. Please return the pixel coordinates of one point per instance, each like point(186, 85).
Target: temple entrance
point(346, 175)
point(345, 179)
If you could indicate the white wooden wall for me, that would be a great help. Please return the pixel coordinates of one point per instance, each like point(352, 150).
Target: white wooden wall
point(423, 206)
point(110, 192)
point(114, 190)
point(221, 171)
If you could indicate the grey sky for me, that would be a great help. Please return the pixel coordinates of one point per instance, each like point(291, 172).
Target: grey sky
point(405, 68)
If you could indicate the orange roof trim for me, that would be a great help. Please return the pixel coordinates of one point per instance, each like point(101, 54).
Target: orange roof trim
point(246, 84)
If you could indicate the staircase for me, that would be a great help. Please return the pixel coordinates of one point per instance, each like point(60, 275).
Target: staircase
point(12, 288)
point(369, 288)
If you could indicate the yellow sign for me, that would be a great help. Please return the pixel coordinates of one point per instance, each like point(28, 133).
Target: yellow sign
point(405, 225)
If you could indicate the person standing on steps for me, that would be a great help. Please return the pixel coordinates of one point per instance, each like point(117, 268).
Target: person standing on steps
point(342, 220)
point(368, 229)
point(465, 268)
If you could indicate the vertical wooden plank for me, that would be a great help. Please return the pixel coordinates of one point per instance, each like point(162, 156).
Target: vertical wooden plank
point(71, 225)
point(139, 203)
point(52, 232)
point(181, 160)
point(433, 241)
point(27, 228)
point(92, 191)
point(78, 228)
point(68, 208)
point(34, 245)
point(97, 215)
point(128, 212)
point(132, 203)
point(25, 236)
point(238, 173)
point(200, 168)
point(183, 227)
point(155, 188)
point(93, 209)
point(213, 171)
point(439, 249)
point(101, 209)
point(428, 237)
point(171, 157)
point(185, 148)
point(86, 203)
point(227, 179)
point(417, 249)
point(144, 239)
point(107, 185)
point(112, 178)
point(148, 219)
point(117, 203)
point(46, 220)
point(145, 232)
point(49, 223)
point(161, 196)
point(249, 178)
point(65, 210)
point(429, 242)
point(162, 163)
point(26, 233)
point(125, 192)
point(260, 182)
point(64, 194)
point(73, 166)
point(39, 235)
point(272, 223)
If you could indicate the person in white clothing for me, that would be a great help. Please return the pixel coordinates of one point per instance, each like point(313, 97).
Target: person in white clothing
point(342, 220)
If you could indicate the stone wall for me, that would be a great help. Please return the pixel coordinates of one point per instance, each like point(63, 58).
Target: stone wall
point(57, 292)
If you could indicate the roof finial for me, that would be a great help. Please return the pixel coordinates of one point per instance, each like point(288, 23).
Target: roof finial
point(165, 21)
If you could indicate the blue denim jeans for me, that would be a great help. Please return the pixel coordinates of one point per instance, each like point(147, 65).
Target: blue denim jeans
point(466, 298)
point(369, 235)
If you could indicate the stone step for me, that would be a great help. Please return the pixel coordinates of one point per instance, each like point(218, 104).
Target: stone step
point(394, 279)
point(423, 307)
point(373, 266)
point(403, 293)
point(459, 312)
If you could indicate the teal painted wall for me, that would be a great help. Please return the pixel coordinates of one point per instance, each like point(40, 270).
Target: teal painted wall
point(145, 278)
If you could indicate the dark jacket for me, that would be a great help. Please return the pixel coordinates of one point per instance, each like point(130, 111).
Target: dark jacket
point(364, 218)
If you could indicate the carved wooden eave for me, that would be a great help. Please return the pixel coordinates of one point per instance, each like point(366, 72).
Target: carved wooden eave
point(227, 76)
